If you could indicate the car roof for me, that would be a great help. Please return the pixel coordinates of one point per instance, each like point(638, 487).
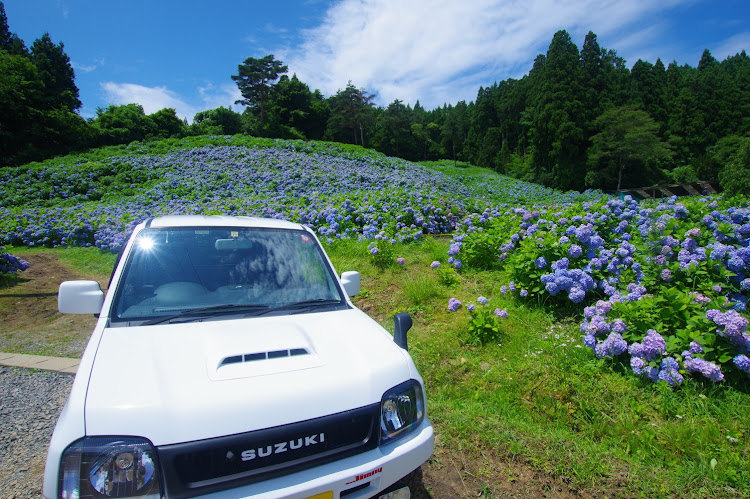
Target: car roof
point(220, 221)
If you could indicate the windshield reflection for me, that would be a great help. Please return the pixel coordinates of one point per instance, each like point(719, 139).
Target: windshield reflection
point(179, 269)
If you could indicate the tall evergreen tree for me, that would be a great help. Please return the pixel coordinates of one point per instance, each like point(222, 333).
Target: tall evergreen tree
point(57, 74)
point(9, 41)
point(295, 111)
point(351, 113)
point(393, 135)
point(454, 130)
point(558, 116)
point(596, 94)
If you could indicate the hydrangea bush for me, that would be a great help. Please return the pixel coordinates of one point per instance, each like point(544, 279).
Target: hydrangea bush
point(11, 264)
point(485, 323)
point(663, 284)
point(340, 191)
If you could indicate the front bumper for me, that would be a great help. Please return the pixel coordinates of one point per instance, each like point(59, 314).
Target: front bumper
point(356, 477)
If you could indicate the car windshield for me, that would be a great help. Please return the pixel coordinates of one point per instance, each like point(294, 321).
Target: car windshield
point(183, 271)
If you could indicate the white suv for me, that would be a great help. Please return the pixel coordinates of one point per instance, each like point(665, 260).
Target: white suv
point(228, 361)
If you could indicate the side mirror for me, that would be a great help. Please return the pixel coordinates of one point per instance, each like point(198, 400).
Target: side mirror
point(80, 297)
point(402, 323)
point(350, 280)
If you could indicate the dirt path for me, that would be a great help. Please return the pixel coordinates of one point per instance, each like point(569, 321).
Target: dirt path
point(30, 323)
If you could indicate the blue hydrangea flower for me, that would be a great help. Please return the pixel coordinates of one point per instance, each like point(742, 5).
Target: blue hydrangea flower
point(706, 368)
point(742, 362)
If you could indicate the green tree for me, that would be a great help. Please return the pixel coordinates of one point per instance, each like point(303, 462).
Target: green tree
point(454, 129)
point(627, 141)
point(10, 41)
point(735, 177)
point(20, 95)
point(393, 135)
point(56, 73)
point(219, 121)
point(295, 111)
point(255, 79)
point(558, 136)
point(351, 113)
point(123, 124)
point(167, 124)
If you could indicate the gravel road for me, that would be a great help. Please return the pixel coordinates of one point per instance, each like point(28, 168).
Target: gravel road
point(30, 402)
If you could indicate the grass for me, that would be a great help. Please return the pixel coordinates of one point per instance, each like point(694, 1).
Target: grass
point(537, 395)
point(540, 395)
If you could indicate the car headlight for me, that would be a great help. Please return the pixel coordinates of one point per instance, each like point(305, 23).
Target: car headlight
point(401, 410)
point(110, 467)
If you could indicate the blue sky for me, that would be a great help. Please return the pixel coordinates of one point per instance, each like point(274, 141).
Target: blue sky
point(162, 53)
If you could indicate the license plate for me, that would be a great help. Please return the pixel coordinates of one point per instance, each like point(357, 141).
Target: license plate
point(324, 495)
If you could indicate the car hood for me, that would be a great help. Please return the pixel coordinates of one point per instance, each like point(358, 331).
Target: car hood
point(184, 382)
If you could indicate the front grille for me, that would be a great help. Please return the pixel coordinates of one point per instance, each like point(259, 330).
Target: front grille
point(219, 463)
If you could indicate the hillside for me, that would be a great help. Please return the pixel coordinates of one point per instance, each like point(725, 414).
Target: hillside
point(92, 198)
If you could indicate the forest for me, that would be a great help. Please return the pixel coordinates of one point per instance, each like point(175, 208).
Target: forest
point(579, 119)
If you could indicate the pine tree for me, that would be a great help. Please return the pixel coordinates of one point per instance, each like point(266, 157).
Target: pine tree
point(57, 74)
point(10, 41)
point(255, 79)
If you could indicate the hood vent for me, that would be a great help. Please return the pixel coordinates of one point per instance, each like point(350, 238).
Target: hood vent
point(252, 357)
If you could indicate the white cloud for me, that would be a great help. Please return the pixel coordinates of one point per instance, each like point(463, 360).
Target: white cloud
point(83, 67)
point(443, 50)
point(222, 96)
point(732, 45)
point(151, 98)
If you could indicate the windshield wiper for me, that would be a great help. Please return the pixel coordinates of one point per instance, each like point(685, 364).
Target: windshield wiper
point(203, 311)
point(299, 306)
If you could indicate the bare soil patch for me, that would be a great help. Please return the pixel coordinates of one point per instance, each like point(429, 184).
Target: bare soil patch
point(29, 320)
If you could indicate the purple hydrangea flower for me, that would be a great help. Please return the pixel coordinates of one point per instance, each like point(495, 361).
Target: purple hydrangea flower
point(400, 261)
point(637, 364)
point(671, 376)
point(742, 362)
point(707, 369)
point(614, 345)
point(501, 313)
point(619, 326)
point(453, 304)
point(483, 300)
point(652, 347)
point(435, 264)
